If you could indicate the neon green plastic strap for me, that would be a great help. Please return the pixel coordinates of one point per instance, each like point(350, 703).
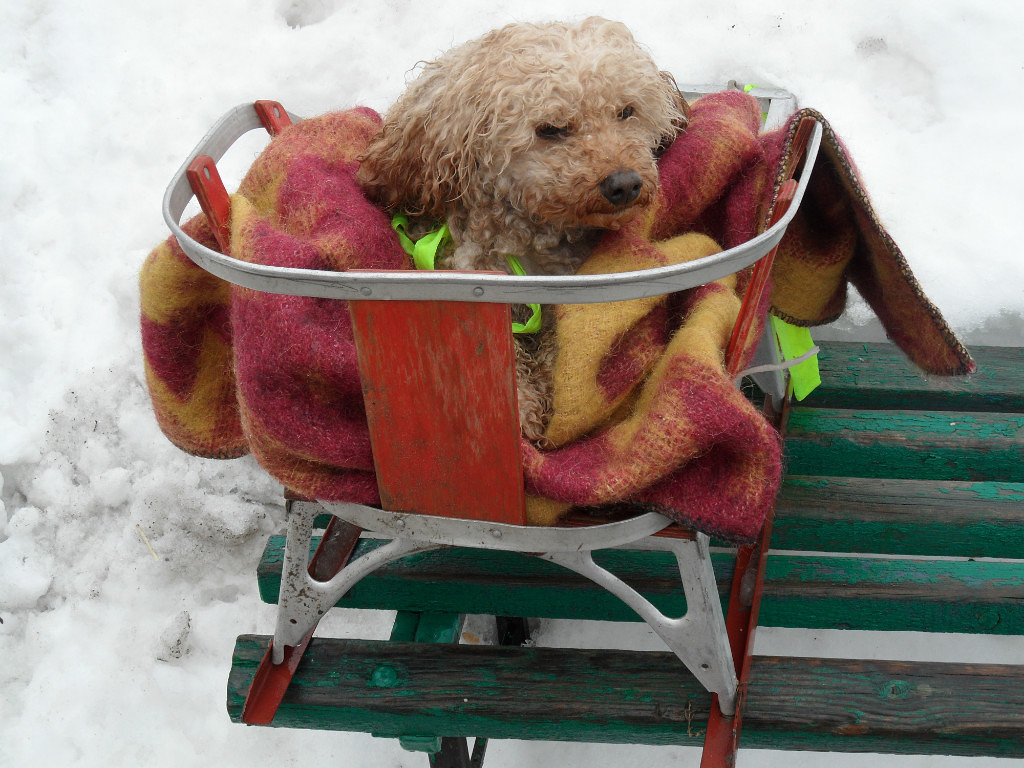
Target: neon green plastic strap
point(747, 89)
point(424, 255)
point(533, 324)
point(794, 341)
point(424, 250)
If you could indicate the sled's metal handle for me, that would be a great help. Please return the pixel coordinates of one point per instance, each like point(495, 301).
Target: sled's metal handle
point(475, 287)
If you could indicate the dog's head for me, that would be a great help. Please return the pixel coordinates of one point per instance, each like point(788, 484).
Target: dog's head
point(559, 124)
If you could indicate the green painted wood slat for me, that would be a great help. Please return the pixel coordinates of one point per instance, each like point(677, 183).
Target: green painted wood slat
point(878, 376)
point(916, 445)
point(642, 697)
point(900, 517)
point(817, 591)
point(897, 517)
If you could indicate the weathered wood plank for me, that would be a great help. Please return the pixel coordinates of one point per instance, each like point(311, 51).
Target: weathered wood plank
point(396, 688)
point(903, 517)
point(906, 444)
point(885, 706)
point(873, 376)
point(800, 590)
point(393, 689)
point(892, 595)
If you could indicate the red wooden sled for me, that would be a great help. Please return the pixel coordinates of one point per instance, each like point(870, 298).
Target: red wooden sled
point(433, 352)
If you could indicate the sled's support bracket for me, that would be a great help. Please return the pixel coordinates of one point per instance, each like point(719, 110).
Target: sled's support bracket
point(208, 186)
point(696, 638)
point(274, 675)
point(206, 183)
point(272, 115)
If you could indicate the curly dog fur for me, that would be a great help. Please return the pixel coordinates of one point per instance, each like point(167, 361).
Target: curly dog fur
point(530, 141)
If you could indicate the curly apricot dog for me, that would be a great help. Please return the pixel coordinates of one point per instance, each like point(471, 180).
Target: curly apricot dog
point(530, 141)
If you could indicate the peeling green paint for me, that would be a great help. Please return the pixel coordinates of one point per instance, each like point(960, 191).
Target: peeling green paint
point(384, 676)
point(894, 689)
point(1000, 491)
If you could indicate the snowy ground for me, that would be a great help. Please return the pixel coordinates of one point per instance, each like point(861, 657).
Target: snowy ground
point(115, 654)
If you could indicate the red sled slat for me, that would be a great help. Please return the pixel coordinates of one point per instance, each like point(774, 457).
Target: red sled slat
point(439, 387)
point(213, 198)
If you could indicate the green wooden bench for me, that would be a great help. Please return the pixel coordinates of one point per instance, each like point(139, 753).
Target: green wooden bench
point(902, 509)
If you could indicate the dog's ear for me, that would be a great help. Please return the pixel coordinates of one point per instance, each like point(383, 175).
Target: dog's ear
point(396, 172)
point(682, 110)
point(410, 165)
point(681, 105)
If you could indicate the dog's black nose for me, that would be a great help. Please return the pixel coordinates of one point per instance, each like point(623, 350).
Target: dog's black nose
point(622, 187)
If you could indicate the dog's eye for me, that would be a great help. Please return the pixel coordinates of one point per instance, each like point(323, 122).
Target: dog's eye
point(552, 132)
point(626, 113)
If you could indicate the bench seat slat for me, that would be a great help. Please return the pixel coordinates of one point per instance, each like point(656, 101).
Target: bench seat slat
point(817, 591)
point(900, 517)
point(393, 689)
point(878, 376)
point(912, 445)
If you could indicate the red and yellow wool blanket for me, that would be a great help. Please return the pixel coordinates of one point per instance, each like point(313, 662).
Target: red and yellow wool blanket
point(645, 413)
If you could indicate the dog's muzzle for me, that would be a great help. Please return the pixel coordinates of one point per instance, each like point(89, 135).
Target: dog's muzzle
point(622, 187)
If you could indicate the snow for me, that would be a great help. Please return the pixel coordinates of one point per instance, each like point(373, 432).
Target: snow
point(126, 567)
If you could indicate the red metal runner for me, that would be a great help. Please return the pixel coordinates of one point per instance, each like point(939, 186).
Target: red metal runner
point(271, 680)
point(722, 739)
point(340, 538)
point(721, 742)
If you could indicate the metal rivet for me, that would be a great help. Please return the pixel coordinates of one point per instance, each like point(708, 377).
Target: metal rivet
point(400, 523)
point(495, 533)
point(478, 291)
point(366, 290)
